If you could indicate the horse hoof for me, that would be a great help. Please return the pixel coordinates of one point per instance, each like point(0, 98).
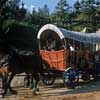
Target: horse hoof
point(34, 92)
point(13, 92)
point(37, 89)
point(25, 86)
point(31, 87)
point(1, 96)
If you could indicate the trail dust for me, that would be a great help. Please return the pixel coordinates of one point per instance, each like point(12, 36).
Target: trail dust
point(57, 91)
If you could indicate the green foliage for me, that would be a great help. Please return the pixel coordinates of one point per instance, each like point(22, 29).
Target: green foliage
point(13, 25)
point(63, 15)
point(45, 10)
point(61, 10)
point(86, 12)
point(62, 6)
point(22, 36)
point(40, 17)
point(77, 6)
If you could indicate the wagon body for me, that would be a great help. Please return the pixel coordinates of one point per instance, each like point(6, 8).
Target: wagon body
point(57, 60)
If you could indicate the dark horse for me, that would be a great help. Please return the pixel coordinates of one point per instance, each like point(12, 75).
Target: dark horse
point(19, 63)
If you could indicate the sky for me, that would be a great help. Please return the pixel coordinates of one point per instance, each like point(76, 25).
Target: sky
point(30, 4)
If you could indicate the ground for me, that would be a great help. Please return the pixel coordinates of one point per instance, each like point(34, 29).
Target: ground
point(84, 91)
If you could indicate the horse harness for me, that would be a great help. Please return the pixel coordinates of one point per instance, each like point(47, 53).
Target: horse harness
point(4, 60)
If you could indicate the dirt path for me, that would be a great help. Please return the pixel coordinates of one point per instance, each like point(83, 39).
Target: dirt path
point(86, 91)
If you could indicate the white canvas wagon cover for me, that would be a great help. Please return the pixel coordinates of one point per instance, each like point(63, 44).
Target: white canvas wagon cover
point(63, 33)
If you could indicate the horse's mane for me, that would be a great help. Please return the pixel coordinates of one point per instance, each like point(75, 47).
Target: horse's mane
point(23, 52)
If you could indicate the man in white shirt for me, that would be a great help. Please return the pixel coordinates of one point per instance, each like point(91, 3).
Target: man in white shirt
point(71, 48)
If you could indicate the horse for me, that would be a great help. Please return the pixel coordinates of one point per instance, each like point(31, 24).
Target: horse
point(17, 64)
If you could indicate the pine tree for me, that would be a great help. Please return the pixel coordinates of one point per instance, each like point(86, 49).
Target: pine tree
point(61, 9)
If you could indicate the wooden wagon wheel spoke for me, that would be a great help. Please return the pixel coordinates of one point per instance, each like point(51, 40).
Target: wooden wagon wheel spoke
point(70, 77)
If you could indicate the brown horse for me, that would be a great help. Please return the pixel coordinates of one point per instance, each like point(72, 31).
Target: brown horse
point(18, 63)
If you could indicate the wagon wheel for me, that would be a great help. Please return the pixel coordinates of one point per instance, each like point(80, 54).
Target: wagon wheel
point(85, 76)
point(71, 77)
point(48, 77)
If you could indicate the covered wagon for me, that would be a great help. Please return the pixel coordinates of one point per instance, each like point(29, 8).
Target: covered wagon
point(63, 51)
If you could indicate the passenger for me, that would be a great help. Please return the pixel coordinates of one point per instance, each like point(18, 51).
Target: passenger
point(96, 65)
point(84, 67)
point(84, 64)
point(97, 56)
point(53, 45)
point(77, 47)
point(91, 70)
point(71, 48)
point(48, 45)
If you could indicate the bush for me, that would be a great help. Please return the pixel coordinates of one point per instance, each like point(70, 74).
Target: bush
point(22, 36)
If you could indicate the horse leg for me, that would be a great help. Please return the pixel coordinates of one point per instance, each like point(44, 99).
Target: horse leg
point(11, 76)
point(27, 80)
point(1, 88)
point(1, 83)
point(36, 87)
point(4, 85)
point(31, 81)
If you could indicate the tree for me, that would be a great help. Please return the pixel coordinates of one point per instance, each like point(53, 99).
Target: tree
point(9, 9)
point(4, 15)
point(40, 17)
point(35, 17)
point(97, 3)
point(62, 6)
point(17, 12)
point(45, 10)
point(22, 13)
point(77, 6)
point(61, 10)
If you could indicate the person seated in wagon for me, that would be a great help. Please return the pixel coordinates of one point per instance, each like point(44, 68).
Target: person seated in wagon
point(96, 65)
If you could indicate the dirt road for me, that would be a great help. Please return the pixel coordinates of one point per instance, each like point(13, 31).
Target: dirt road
point(85, 91)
